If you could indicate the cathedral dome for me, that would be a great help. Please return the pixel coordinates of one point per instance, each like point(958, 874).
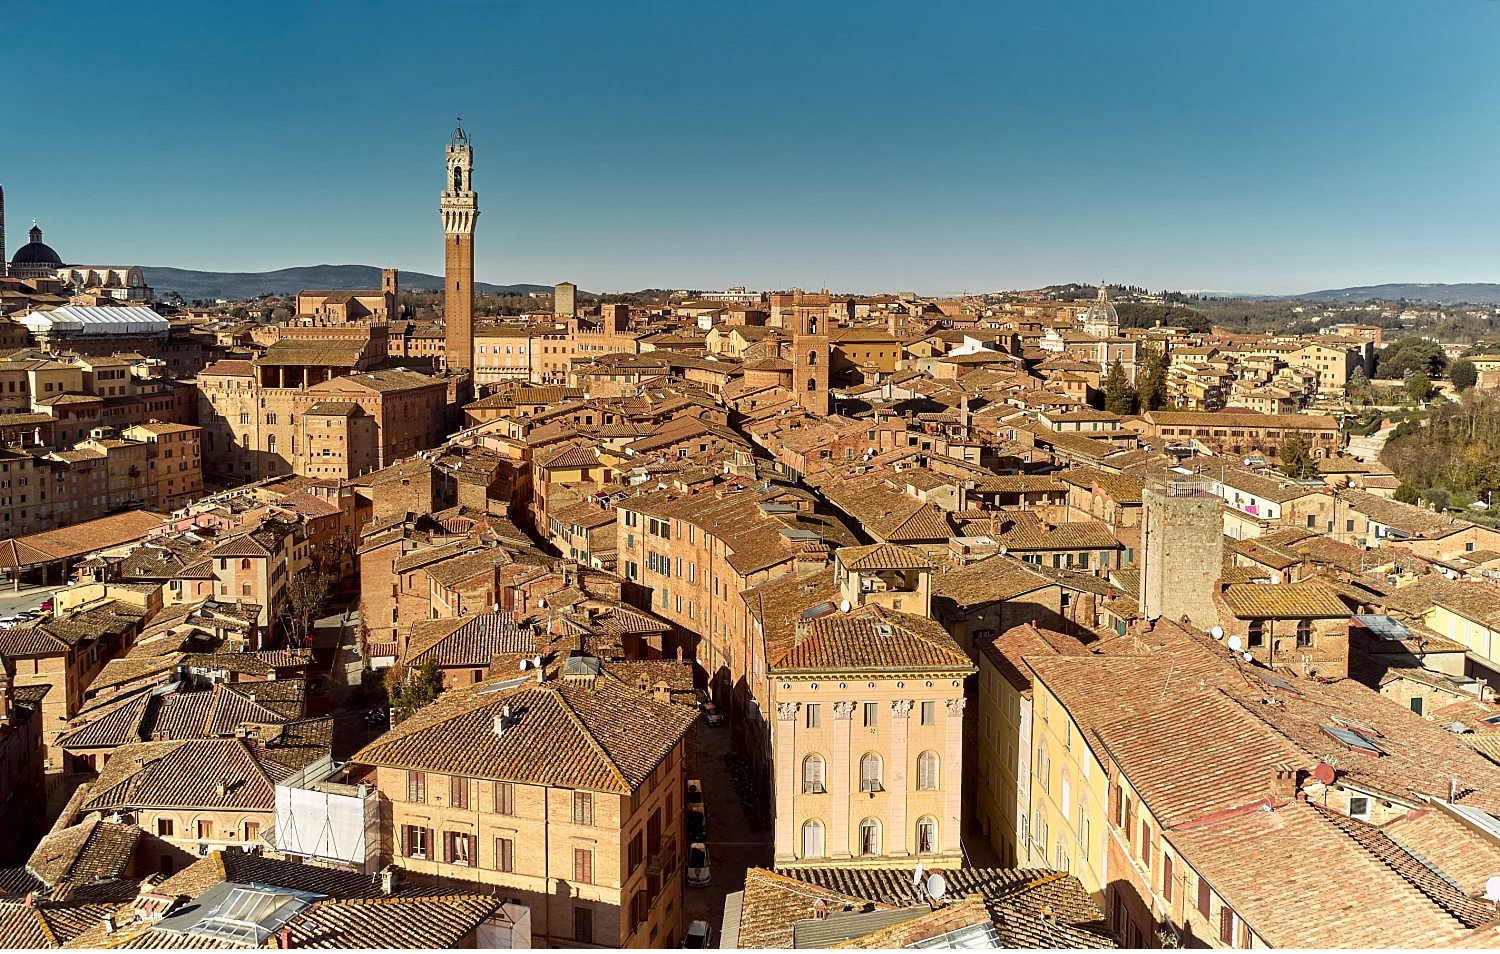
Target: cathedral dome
point(36, 252)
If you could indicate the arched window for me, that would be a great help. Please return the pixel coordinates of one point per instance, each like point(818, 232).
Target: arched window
point(245, 563)
point(1067, 793)
point(869, 836)
point(927, 835)
point(870, 773)
point(812, 357)
point(271, 444)
point(812, 838)
point(458, 179)
point(927, 772)
point(812, 384)
point(812, 775)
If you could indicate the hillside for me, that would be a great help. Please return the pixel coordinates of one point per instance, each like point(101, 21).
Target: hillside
point(192, 284)
point(1476, 293)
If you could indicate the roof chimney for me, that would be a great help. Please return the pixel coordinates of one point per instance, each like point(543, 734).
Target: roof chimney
point(109, 924)
point(390, 880)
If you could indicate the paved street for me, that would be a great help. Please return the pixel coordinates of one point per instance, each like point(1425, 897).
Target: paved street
point(13, 601)
point(1368, 449)
point(733, 847)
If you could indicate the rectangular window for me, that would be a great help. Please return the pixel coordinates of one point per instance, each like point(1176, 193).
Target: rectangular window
point(416, 786)
point(583, 865)
point(637, 851)
point(814, 715)
point(415, 840)
point(583, 925)
point(164, 828)
point(929, 713)
point(458, 848)
point(1166, 877)
point(205, 830)
point(1203, 896)
point(458, 792)
point(872, 713)
point(583, 808)
point(1359, 806)
point(505, 854)
point(505, 798)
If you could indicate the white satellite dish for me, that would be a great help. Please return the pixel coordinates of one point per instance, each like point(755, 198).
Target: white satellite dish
point(525, 664)
point(937, 886)
point(845, 606)
point(1234, 644)
point(1458, 728)
point(1249, 657)
point(1492, 889)
point(916, 876)
point(542, 602)
point(536, 662)
point(1217, 632)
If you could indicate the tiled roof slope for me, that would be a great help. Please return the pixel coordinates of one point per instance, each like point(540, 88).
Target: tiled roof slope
point(600, 736)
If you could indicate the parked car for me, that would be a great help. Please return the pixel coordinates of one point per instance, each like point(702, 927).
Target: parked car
point(28, 615)
point(697, 866)
point(376, 717)
point(6, 622)
point(699, 935)
point(46, 605)
point(697, 825)
point(694, 793)
point(712, 715)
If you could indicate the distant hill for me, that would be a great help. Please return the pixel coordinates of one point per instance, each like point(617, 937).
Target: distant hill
point(1476, 293)
point(288, 281)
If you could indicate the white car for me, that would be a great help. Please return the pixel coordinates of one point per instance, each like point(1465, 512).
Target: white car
point(698, 875)
point(712, 715)
point(694, 793)
point(699, 935)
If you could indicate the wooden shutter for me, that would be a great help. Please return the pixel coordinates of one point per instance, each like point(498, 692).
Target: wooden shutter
point(1166, 877)
point(505, 854)
point(1226, 926)
point(583, 865)
point(1203, 896)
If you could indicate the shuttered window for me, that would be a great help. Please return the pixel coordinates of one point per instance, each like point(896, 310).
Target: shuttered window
point(1203, 897)
point(458, 792)
point(927, 772)
point(583, 865)
point(505, 798)
point(505, 854)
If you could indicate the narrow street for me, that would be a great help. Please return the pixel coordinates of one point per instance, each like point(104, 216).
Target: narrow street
point(733, 845)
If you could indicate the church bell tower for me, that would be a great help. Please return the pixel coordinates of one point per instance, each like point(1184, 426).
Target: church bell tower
point(460, 210)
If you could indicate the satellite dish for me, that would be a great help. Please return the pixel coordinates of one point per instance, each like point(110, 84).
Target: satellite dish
point(1325, 773)
point(525, 664)
point(1249, 657)
point(916, 876)
point(1492, 889)
point(1458, 728)
point(1217, 632)
point(937, 886)
point(536, 662)
point(845, 606)
point(1234, 644)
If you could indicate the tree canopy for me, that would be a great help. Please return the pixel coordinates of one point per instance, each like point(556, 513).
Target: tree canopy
point(1410, 354)
point(1463, 374)
point(1119, 396)
point(1457, 451)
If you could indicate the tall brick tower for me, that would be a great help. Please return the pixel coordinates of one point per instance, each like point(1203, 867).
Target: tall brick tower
point(4, 262)
point(810, 351)
point(460, 210)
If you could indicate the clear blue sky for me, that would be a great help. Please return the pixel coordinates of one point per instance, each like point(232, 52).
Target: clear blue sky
point(1269, 146)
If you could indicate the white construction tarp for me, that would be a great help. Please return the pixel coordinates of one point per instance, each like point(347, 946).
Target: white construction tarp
point(323, 825)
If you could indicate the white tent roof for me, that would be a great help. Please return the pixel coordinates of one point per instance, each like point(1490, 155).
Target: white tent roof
point(75, 320)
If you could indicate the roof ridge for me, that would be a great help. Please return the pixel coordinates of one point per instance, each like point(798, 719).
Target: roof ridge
point(593, 742)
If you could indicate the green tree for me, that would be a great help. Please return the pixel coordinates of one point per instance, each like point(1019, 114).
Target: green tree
point(1406, 493)
point(1151, 379)
point(1463, 374)
point(416, 690)
point(1410, 354)
point(1297, 460)
point(1436, 496)
point(1119, 396)
point(1418, 386)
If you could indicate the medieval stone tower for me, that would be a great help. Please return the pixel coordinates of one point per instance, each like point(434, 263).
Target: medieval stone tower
point(810, 352)
point(1182, 543)
point(4, 262)
point(460, 210)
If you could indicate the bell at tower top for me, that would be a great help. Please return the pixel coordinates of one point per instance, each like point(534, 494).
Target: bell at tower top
point(459, 137)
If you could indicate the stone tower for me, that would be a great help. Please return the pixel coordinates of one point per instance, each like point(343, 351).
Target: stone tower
point(4, 262)
point(1182, 552)
point(390, 292)
point(460, 210)
point(810, 351)
point(565, 300)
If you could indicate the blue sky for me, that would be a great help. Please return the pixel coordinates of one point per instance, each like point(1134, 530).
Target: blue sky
point(1275, 146)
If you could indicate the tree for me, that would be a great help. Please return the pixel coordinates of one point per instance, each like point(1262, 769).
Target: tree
point(1410, 354)
point(1407, 494)
point(1359, 379)
point(306, 592)
point(1463, 374)
point(1437, 497)
point(1151, 379)
point(280, 314)
point(409, 691)
point(1418, 386)
point(1119, 397)
point(1297, 461)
